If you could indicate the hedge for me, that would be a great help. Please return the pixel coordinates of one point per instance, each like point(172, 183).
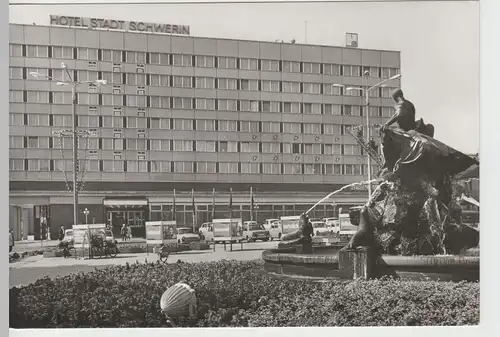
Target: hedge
point(236, 294)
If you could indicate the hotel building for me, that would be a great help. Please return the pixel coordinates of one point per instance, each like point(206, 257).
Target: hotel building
point(181, 112)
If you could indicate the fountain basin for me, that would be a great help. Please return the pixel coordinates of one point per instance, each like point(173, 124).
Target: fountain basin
point(330, 262)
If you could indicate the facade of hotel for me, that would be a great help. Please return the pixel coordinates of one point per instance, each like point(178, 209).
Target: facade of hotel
point(183, 113)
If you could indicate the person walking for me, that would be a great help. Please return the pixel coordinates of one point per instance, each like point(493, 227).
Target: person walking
point(129, 233)
point(61, 233)
point(11, 240)
point(124, 232)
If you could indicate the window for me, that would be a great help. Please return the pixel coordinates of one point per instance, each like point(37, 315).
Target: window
point(35, 142)
point(183, 81)
point(183, 124)
point(205, 125)
point(227, 62)
point(61, 98)
point(292, 87)
point(159, 145)
point(270, 86)
point(136, 101)
point(37, 51)
point(249, 147)
point(205, 83)
point(312, 148)
point(205, 146)
point(331, 129)
point(246, 84)
point(205, 61)
point(332, 149)
point(16, 142)
point(44, 71)
point(88, 121)
point(352, 150)
point(183, 103)
point(249, 105)
point(374, 111)
point(249, 64)
point(228, 125)
point(312, 128)
point(372, 71)
point(228, 146)
point(311, 108)
point(89, 99)
point(86, 54)
point(90, 143)
point(271, 127)
point(183, 167)
point(141, 90)
point(160, 166)
point(39, 165)
point(387, 112)
point(16, 165)
point(136, 79)
point(312, 169)
point(159, 58)
point(16, 50)
point(227, 83)
point(111, 55)
point(38, 97)
point(271, 168)
point(136, 57)
point(228, 168)
point(250, 168)
point(16, 119)
point(291, 67)
point(62, 120)
point(270, 147)
point(112, 122)
point(136, 144)
point(311, 68)
point(329, 89)
point(228, 105)
point(159, 80)
point(292, 168)
point(159, 102)
point(182, 60)
point(269, 65)
point(16, 73)
point(386, 92)
point(248, 126)
point(137, 166)
point(312, 88)
point(112, 78)
point(373, 92)
point(137, 122)
point(291, 127)
point(352, 110)
point(332, 109)
point(205, 103)
point(183, 145)
point(389, 72)
point(113, 100)
point(351, 70)
point(352, 169)
point(333, 169)
point(331, 69)
point(206, 167)
point(16, 96)
point(112, 166)
point(291, 107)
point(62, 52)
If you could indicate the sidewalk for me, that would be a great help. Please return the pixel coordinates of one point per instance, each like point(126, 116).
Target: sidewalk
point(23, 246)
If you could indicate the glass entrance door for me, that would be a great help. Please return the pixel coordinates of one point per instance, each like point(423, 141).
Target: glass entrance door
point(116, 219)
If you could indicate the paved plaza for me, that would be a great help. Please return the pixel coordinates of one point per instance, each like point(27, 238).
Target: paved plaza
point(30, 269)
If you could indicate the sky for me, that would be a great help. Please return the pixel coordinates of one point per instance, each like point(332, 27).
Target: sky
point(438, 40)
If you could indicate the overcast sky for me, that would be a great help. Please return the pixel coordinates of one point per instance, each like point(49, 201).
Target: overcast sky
point(439, 43)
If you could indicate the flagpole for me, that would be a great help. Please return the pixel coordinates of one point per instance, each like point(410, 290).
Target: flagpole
point(231, 216)
point(174, 208)
point(251, 203)
point(194, 211)
point(213, 204)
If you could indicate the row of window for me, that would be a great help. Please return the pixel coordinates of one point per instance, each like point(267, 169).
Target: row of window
point(211, 104)
point(183, 60)
point(176, 124)
point(47, 165)
point(144, 80)
point(94, 144)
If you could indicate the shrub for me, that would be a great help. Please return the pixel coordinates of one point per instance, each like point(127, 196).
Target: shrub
point(236, 294)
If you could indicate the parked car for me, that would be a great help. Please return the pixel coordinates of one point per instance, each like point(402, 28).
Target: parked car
point(252, 231)
point(186, 235)
point(320, 228)
point(68, 236)
point(333, 225)
point(269, 222)
point(206, 231)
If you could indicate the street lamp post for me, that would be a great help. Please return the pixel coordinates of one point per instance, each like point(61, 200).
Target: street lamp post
point(86, 212)
point(74, 85)
point(366, 91)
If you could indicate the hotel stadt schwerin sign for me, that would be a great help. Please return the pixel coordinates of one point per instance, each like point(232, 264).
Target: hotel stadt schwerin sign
point(108, 24)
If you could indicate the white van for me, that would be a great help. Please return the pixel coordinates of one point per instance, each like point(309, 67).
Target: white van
point(347, 229)
point(269, 222)
point(289, 224)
